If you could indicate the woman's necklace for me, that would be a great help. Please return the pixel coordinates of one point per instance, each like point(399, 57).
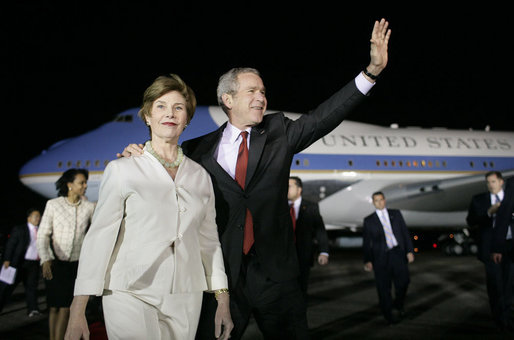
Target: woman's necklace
point(71, 203)
point(176, 163)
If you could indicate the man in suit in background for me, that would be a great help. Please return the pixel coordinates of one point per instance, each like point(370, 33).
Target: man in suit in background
point(308, 227)
point(249, 159)
point(21, 253)
point(502, 254)
point(388, 249)
point(482, 214)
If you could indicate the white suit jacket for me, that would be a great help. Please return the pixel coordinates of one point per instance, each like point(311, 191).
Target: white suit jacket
point(140, 214)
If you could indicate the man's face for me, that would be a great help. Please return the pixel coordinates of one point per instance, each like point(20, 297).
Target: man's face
point(294, 191)
point(494, 184)
point(248, 105)
point(34, 218)
point(379, 202)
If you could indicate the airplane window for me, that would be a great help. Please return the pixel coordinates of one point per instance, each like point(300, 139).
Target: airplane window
point(429, 164)
point(444, 164)
point(393, 163)
point(124, 118)
point(472, 164)
point(423, 163)
point(485, 164)
point(79, 164)
point(378, 163)
point(491, 164)
point(415, 163)
point(88, 164)
point(385, 163)
point(297, 162)
point(350, 163)
point(105, 163)
point(68, 164)
point(400, 163)
point(97, 163)
point(59, 164)
point(306, 162)
point(437, 164)
point(408, 164)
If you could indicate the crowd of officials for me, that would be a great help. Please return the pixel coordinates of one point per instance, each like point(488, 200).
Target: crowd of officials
point(192, 240)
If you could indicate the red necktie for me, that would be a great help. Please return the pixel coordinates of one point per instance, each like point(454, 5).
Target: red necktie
point(242, 163)
point(293, 217)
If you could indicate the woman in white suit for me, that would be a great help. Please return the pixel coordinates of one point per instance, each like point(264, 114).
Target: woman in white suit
point(153, 246)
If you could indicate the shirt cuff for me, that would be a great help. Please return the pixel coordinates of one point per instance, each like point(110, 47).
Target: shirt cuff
point(363, 84)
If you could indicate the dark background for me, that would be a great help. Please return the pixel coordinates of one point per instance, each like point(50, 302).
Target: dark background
point(68, 67)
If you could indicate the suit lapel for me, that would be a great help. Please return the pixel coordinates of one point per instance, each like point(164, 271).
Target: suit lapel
point(257, 142)
point(211, 164)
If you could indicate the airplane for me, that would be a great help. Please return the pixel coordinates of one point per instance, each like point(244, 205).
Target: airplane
point(430, 174)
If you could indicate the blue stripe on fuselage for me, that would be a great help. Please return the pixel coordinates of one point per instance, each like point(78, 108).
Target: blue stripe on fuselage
point(400, 163)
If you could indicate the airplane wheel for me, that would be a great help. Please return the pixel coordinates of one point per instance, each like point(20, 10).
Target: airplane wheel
point(457, 249)
point(473, 249)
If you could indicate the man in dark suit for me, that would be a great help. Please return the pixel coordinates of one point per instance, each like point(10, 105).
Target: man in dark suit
point(482, 214)
point(502, 253)
point(252, 214)
point(388, 249)
point(308, 229)
point(21, 253)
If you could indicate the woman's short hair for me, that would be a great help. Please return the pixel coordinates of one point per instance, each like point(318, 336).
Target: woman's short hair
point(165, 84)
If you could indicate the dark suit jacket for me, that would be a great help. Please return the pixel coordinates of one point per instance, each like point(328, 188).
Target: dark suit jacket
point(273, 144)
point(374, 242)
point(504, 218)
point(478, 217)
point(310, 227)
point(17, 245)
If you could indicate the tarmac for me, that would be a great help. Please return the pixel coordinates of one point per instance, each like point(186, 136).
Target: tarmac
point(447, 299)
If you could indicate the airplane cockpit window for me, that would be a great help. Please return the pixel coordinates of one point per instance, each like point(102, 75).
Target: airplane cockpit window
point(123, 118)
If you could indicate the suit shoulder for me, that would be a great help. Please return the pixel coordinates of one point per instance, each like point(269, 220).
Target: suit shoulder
point(369, 217)
point(480, 196)
point(308, 203)
point(193, 148)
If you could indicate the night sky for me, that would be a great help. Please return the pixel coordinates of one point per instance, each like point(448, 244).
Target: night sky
point(68, 67)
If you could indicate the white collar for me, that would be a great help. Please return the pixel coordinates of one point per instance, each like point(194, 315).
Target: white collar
point(231, 133)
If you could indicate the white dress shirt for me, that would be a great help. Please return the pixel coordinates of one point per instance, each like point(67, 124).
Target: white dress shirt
point(31, 253)
point(228, 148)
point(383, 215)
point(500, 195)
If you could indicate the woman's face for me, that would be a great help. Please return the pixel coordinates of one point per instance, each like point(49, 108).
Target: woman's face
point(78, 186)
point(168, 116)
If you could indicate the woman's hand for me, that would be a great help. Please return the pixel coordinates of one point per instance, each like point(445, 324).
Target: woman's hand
point(77, 323)
point(47, 270)
point(223, 324)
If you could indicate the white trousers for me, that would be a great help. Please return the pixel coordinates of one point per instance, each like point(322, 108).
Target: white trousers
point(129, 317)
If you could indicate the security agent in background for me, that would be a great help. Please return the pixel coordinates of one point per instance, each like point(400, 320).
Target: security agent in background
point(308, 227)
point(387, 251)
point(21, 253)
point(502, 250)
point(482, 214)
